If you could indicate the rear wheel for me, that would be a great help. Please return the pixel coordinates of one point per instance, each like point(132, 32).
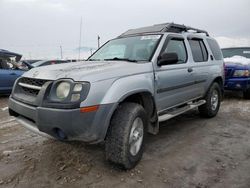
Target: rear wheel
point(246, 94)
point(126, 135)
point(213, 99)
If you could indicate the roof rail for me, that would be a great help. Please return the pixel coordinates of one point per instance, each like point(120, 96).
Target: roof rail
point(177, 28)
point(165, 27)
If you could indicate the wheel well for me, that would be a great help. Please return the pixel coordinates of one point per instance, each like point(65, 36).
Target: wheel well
point(219, 80)
point(145, 99)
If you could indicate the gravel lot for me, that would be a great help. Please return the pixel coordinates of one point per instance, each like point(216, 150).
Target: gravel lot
point(188, 152)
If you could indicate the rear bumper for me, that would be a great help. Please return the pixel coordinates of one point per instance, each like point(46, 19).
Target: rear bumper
point(88, 127)
point(238, 84)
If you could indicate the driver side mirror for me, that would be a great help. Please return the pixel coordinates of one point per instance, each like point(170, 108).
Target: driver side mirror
point(167, 59)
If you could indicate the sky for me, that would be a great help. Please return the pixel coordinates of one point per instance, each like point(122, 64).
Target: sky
point(37, 28)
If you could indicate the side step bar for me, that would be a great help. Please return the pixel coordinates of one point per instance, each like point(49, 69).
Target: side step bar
point(178, 111)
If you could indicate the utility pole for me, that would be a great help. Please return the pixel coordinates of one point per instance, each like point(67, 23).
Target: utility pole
point(98, 41)
point(61, 52)
point(80, 39)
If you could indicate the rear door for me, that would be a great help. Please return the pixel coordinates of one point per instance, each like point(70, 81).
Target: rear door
point(174, 83)
point(201, 64)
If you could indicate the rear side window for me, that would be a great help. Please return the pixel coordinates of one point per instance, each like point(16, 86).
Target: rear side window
point(199, 50)
point(215, 49)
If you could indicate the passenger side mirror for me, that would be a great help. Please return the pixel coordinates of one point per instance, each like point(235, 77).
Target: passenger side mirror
point(167, 59)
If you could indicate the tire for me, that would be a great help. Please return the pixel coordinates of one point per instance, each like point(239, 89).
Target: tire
point(246, 94)
point(128, 122)
point(213, 100)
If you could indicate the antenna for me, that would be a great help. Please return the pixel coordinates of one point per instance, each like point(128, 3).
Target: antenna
point(80, 39)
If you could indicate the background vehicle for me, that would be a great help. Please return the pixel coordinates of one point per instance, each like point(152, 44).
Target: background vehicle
point(48, 62)
point(9, 70)
point(30, 61)
point(133, 82)
point(237, 69)
point(30, 64)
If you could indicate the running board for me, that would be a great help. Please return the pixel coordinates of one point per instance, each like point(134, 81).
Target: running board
point(178, 111)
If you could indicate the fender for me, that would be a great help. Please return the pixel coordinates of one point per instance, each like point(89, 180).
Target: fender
point(125, 86)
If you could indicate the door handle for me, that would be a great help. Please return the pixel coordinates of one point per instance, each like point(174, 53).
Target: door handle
point(190, 70)
point(12, 73)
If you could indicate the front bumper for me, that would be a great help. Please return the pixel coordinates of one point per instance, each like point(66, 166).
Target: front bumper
point(238, 84)
point(88, 127)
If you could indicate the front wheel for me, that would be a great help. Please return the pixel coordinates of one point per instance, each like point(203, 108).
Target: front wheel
point(126, 135)
point(213, 99)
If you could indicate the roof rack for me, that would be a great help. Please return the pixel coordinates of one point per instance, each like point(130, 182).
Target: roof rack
point(165, 27)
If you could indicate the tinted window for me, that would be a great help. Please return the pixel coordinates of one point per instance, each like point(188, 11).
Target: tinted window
point(204, 51)
point(177, 46)
point(199, 50)
point(215, 49)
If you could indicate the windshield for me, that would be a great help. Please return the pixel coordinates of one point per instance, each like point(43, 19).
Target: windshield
point(136, 48)
point(230, 52)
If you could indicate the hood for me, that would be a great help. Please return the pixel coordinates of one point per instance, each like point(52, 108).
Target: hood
point(237, 60)
point(91, 71)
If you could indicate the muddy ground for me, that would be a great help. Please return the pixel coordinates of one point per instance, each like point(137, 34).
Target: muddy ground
point(188, 152)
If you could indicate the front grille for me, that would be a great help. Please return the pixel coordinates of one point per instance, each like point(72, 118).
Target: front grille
point(27, 90)
point(30, 91)
point(31, 86)
point(32, 81)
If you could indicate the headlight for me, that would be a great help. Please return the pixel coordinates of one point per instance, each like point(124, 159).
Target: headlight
point(241, 73)
point(62, 90)
point(67, 94)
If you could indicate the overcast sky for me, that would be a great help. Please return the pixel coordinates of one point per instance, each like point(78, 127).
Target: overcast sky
point(37, 28)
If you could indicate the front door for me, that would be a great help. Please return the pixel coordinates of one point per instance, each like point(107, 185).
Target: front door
point(174, 83)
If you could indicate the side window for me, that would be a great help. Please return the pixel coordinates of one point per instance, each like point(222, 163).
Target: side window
point(204, 51)
point(177, 46)
point(199, 50)
point(215, 49)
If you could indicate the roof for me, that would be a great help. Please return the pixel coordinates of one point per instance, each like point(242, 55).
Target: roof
point(161, 28)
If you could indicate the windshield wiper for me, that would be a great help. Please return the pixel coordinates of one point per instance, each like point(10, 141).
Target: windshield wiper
point(121, 59)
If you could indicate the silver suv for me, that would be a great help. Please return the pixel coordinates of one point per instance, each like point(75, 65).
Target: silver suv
point(122, 92)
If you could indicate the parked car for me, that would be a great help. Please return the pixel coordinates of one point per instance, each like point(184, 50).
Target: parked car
point(48, 62)
point(30, 61)
point(9, 71)
point(122, 92)
point(237, 69)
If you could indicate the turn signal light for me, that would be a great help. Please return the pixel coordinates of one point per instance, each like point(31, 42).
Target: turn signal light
point(89, 109)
